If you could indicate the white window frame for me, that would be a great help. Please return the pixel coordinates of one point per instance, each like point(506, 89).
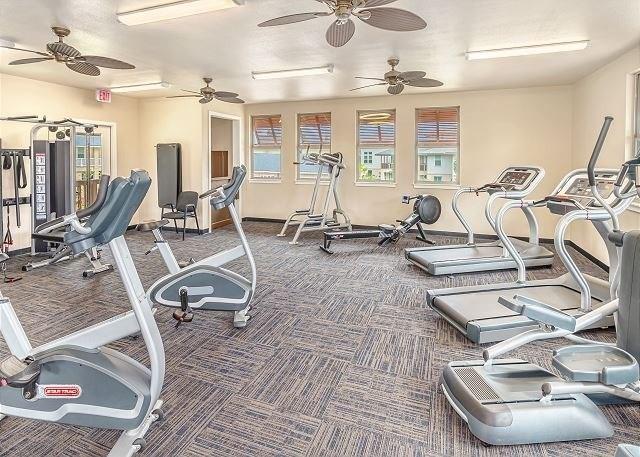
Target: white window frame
point(253, 148)
point(300, 147)
point(393, 146)
point(442, 184)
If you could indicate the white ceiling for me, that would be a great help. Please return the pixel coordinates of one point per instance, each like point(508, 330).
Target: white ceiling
point(228, 45)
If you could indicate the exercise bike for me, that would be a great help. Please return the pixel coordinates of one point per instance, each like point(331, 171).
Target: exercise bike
point(426, 210)
point(76, 379)
point(205, 285)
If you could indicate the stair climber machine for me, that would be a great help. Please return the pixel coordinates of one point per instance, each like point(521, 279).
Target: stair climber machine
point(513, 183)
point(475, 310)
point(426, 210)
point(76, 379)
point(511, 401)
point(307, 220)
point(205, 285)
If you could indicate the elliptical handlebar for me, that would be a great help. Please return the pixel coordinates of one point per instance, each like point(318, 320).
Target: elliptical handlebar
point(591, 168)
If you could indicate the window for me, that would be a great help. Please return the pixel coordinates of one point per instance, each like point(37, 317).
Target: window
point(314, 135)
point(438, 145)
point(266, 145)
point(376, 146)
point(636, 143)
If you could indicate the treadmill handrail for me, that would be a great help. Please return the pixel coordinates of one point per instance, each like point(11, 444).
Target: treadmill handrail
point(540, 312)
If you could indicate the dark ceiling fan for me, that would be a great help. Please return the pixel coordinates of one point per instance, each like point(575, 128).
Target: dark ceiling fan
point(343, 28)
point(208, 94)
point(71, 57)
point(398, 80)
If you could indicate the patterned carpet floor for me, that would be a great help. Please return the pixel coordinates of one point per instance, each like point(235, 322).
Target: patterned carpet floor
point(342, 356)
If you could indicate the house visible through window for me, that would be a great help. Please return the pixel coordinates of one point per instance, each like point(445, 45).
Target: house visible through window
point(314, 136)
point(266, 145)
point(376, 146)
point(437, 145)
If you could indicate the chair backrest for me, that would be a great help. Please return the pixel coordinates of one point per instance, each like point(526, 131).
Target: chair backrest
point(628, 325)
point(185, 199)
point(124, 197)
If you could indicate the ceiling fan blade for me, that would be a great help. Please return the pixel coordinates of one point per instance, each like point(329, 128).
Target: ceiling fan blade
point(26, 50)
point(30, 60)
point(411, 75)
point(372, 79)
point(393, 19)
point(396, 90)
point(63, 49)
point(371, 85)
point(292, 19)
point(106, 62)
point(424, 82)
point(339, 34)
point(222, 94)
point(184, 96)
point(230, 100)
point(84, 68)
point(371, 3)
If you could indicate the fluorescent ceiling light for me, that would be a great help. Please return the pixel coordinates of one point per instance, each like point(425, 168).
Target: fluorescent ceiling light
point(528, 50)
point(141, 87)
point(327, 69)
point(175, 10)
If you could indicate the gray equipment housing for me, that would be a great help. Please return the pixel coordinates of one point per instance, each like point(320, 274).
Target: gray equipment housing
point(509, 401)
point(513, 183)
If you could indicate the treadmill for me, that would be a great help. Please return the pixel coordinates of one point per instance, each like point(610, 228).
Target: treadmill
point(513, 183)
point(475, 310)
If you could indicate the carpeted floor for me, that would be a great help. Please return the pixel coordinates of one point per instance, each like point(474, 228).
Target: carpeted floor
point(342, 357)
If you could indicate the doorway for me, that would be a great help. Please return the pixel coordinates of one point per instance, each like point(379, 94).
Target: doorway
point(223, 155)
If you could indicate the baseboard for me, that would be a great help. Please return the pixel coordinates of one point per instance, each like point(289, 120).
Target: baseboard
point(589, 256)
point(480, 236)
point(172, 229)
point(19, 252)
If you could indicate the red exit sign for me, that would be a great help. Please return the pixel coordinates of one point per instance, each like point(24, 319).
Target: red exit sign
point(103, 95)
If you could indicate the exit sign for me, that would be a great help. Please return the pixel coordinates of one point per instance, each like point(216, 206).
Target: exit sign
point(103, 95)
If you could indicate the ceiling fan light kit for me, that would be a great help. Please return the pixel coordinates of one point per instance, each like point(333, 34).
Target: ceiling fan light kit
point(519, 51)
point(140, 87)
point(293, 73)
point(174, 10)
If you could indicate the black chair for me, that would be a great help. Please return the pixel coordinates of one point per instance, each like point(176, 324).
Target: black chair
point(186, 206)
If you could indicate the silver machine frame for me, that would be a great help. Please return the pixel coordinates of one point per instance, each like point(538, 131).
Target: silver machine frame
point(218, 260)
point(510, 401)
point(140, 320)
point(306, 219)
point(467, 258)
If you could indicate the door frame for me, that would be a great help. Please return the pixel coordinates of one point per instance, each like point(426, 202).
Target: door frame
point(237, 155)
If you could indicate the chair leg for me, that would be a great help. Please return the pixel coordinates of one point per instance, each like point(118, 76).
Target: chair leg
point(175, 224)
point(197, 225)
point(184, 225)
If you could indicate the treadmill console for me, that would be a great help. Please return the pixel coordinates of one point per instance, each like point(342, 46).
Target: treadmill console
point(578, 189)
point(515, 179)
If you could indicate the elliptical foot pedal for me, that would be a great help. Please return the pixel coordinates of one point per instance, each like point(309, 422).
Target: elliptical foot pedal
point(17, 373)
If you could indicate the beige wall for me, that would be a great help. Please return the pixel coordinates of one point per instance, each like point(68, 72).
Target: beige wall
point(21, 96)
point(498, 128)
point(606, 92)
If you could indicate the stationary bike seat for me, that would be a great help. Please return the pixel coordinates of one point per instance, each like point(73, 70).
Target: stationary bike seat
point(151, 225)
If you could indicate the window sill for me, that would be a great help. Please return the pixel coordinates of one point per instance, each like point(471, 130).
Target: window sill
point(265, 181)
point(436, 186)
point(374, 184)
point(310, 182)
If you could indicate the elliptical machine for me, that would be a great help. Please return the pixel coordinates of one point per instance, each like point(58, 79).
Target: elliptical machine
point(426, 210)
point(205, 285)
point(76, 379)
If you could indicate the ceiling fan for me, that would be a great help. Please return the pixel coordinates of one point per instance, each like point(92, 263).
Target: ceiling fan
point(208, 93)
point(342, 30)
point(398, 80)
point(71, 57)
